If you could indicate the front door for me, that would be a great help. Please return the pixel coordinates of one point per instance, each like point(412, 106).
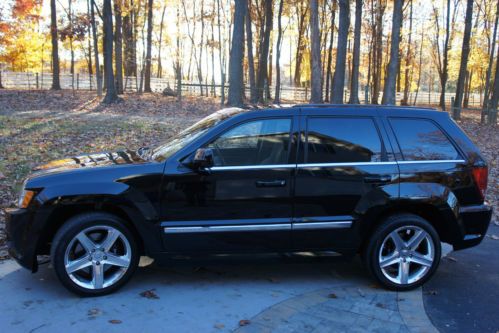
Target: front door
point(242, 203)
point(345, 169)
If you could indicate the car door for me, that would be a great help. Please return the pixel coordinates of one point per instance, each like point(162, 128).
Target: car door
point(243, 203)
point(345, 169)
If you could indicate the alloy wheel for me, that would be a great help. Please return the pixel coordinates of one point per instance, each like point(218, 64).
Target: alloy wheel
point(98, 257)
point(406, 255)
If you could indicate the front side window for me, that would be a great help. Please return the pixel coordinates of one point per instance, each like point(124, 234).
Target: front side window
point(342, 140)
point(259, 142)
point(421, 140)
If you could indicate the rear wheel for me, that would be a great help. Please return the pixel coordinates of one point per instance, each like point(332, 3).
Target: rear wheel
point(94, 254)
point(404, 252)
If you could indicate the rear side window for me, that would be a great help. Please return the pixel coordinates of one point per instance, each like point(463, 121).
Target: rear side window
point(422, 140)
point(342, 140)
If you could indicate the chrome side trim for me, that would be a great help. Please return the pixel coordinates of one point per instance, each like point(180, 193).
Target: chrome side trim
point(431, 161)
point(227, 228)
point(254, 167)
point(322, 225)
point(321, 165)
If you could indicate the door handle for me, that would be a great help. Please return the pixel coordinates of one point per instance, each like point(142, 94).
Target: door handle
point(378, 179)
point(270, 183)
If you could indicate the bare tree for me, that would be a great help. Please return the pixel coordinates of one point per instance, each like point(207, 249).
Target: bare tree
point(489, 68)
point(147, 82)
point(236, 84)
point(316, 77)
point(341, 53)
point(251, 61)
point(464, 60)
point(330, 49)
point(443, 55)
point(118, 45)
point(160, 42)
point(56, 85)
point(391, 76)
point(495, 97)
point(262, 77)
point(107, 17)
point(354, 87)
point(277, 94)
point(408, 59)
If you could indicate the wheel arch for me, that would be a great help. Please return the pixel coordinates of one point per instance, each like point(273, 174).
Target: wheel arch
point(63, 211)
point(440, 217)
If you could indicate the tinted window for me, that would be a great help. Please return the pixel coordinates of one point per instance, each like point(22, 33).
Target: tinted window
point(422, 140)
point(337, 140)
point(253, 143)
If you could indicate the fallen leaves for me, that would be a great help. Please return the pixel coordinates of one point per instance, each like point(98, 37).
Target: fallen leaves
point(149, 294)
point(332, 295)
point(244, 322)
point(115, 321)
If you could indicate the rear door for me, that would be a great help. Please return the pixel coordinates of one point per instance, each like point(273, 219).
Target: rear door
point(345, 168)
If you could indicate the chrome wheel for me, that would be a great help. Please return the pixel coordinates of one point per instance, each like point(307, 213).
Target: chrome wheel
point(97, 257)
point(406, 255)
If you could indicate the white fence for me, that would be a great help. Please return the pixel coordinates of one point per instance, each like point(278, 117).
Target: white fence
point(82, 81)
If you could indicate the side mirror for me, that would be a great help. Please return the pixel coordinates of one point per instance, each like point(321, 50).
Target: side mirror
point(203, 158)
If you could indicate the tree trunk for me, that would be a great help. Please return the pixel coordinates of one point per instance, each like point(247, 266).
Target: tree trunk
point(488, 84)
point(129, 24)
point(221, 55)
point(390, 80)
point(458, 101)
point(467, 88)
point(300, 45)
point(56, 85)
point(147, 84)
point(277, 94)
point(96, 50)
point(118, 46)
point(160, 42)
point(262, 78)
point(444, 75)
point(420, 67)
point(341, 53)
point(316, 75)
point(236, 83)
point(107, 17)
point(251, 61)
point(408, 59)
point(378, 51)
point(495, 97)
point(330, 51)
point(354, 88)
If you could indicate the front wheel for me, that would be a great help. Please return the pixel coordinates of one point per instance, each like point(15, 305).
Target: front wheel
point(94, 254)
point(403, 252)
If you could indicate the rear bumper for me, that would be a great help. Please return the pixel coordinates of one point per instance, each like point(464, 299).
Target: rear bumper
point(20, 239)
point(474, 222)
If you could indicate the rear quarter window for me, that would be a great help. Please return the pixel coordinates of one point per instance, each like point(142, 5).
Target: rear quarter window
point(422, 140)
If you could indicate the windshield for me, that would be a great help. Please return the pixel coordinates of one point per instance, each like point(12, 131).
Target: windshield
point(177, 142)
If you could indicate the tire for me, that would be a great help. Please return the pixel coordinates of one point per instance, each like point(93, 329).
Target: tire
point(111, 253)
point(408, 265)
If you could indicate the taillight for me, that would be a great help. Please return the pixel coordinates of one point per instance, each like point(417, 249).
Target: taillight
point(480, 175)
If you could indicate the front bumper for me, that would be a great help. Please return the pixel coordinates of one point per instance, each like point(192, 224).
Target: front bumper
point(20, 237)
point(474, 222)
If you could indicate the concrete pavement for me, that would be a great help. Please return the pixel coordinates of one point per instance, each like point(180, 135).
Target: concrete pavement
point(304, 295)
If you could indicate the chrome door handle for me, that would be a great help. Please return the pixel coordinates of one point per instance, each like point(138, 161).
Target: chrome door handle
point(377, 179)
point(270, 183)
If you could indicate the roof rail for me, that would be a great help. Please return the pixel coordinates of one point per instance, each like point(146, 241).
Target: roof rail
point(324, 105)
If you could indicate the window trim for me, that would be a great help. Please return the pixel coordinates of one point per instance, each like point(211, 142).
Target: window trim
point(459, 158)
point(384, 153)
point(252, 166)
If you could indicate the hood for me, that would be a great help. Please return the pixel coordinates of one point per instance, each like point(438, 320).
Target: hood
point(89, 161)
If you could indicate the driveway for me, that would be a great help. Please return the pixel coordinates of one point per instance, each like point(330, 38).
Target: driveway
point(302, 294)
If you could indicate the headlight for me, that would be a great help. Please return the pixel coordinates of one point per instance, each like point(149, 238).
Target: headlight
point(25, 198)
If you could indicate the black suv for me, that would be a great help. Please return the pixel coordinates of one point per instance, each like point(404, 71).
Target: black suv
point(390, 183)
